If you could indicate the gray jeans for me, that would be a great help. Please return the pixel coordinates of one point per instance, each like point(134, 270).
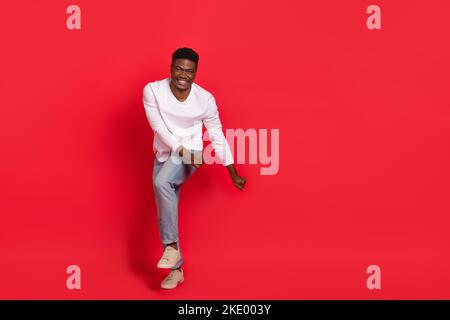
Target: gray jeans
point(168, 177)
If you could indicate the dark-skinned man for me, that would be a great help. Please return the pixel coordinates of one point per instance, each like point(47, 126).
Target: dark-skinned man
point(177, 108)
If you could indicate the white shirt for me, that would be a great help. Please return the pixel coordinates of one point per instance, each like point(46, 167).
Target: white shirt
point(177, 123)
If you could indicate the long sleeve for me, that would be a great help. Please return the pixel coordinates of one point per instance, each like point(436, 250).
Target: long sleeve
point(218, 140)
point(155, 120)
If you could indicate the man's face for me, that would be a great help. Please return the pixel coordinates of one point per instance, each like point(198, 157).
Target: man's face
point(183, 72)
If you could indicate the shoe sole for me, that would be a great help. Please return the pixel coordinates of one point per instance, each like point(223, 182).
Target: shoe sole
point(166, 266)
point(168, 288)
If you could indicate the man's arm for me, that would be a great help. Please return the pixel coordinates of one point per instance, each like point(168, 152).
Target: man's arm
point(155, 120)
point(220, 143)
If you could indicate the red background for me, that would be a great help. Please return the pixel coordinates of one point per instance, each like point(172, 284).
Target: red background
point(364, 149)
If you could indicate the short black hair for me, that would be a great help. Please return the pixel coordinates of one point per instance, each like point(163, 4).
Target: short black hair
point(185, 53)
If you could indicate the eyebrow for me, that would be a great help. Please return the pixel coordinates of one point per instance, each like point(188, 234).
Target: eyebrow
point(183, 68)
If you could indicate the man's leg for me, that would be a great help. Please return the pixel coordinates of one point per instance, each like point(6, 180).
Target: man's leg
point(168, 178)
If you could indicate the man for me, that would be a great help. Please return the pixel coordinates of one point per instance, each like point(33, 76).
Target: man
point(176, 109)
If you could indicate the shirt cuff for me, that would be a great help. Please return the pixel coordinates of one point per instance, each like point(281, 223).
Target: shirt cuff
point(231, 161)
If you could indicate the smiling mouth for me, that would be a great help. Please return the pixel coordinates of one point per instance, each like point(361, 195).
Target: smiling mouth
point(182, 82)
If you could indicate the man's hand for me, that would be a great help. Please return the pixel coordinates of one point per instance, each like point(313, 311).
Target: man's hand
point(193, 158)
point(238, 181)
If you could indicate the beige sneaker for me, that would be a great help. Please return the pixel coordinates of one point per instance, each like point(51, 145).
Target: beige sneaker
point(169, 258)
point(172, 280)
